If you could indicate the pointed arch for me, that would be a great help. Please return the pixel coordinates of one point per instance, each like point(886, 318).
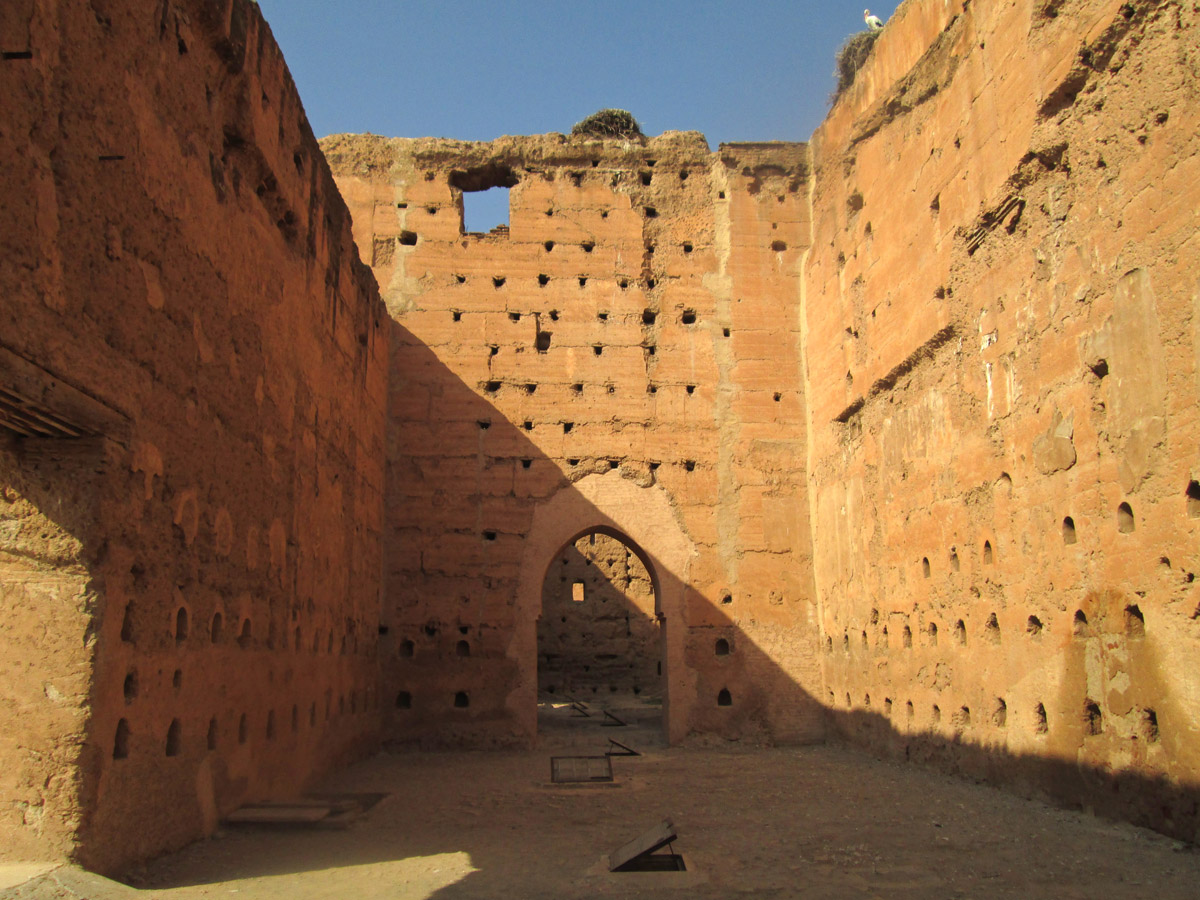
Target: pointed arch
point(641, 517)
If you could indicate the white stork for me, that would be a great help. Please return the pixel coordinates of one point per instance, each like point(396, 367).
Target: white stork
point(873, 22)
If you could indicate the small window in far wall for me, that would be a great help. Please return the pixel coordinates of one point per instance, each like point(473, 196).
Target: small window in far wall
point(484, 211)
point(577, 592)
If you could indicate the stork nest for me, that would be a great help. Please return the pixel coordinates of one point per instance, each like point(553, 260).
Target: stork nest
point(609, 123)
point(851, 57)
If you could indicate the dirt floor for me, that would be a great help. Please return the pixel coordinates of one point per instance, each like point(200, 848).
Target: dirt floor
point(810, 822)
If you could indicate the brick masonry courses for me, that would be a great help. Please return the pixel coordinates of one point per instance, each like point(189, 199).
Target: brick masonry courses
point(636, 321)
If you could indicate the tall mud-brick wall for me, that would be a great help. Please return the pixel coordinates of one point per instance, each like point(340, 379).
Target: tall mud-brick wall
point(192, 391)
point(1003, 366)
point(624, 356)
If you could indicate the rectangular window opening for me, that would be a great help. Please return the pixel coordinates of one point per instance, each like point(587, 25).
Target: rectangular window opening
point(577, 594)
point(485, 198)
point(486, 212)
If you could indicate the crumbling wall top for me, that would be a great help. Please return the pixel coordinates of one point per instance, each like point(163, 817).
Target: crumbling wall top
point(363, 154)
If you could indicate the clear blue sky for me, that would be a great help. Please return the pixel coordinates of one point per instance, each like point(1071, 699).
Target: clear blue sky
point(476, 69)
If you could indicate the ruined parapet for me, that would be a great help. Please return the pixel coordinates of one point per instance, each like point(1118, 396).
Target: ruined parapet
point(191, 402)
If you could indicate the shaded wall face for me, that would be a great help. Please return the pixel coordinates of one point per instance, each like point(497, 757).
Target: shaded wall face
point(638, 317)
point(1002, 362)
point(175, 254)
point(598, 634)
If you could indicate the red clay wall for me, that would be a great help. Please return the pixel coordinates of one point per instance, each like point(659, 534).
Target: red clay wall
point(662, 280)
point(179, 278)
point(1000, 333)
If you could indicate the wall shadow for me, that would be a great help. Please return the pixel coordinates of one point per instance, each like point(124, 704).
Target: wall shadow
point(459, 511)
point(599, 635)
point(477, 512)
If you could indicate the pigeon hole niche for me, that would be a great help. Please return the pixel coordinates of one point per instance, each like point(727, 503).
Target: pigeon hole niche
point(599, 636)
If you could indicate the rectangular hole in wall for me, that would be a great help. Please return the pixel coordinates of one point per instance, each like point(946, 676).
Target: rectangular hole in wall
point(485, 211)
point(485, 197)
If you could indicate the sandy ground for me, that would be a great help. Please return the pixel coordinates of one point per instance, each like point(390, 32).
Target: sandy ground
point(817, 822)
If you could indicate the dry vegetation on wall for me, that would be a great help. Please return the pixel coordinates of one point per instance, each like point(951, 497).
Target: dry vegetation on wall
point(850, 58)
point(609, 123)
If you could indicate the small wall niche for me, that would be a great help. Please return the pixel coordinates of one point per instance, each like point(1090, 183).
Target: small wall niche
point(932, 631)
point(461, 700)
point(1093, 719)
point(1000, 713)
point(724, 698)
point(1033, 626)
point(1135, 622)
point(960, 633)
point(217, 628)
point(722, 647)
point(211, 737)
point(174, 738)
point(1080, 627)
point(462, 649)
point(1125, 520)
point(1149, 726)
point(988, 556)
point(1068, 531)
point(181, 625)
point(925, 566)
point(121, 740)
point(1193, 499)
point(1040, 724)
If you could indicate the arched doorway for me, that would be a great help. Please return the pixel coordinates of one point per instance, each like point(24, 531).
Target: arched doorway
point(600, 634)
point(644, 519)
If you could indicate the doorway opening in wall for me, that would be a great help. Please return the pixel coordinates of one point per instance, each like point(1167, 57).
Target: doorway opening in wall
point(600, 642)
point(483, 198)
